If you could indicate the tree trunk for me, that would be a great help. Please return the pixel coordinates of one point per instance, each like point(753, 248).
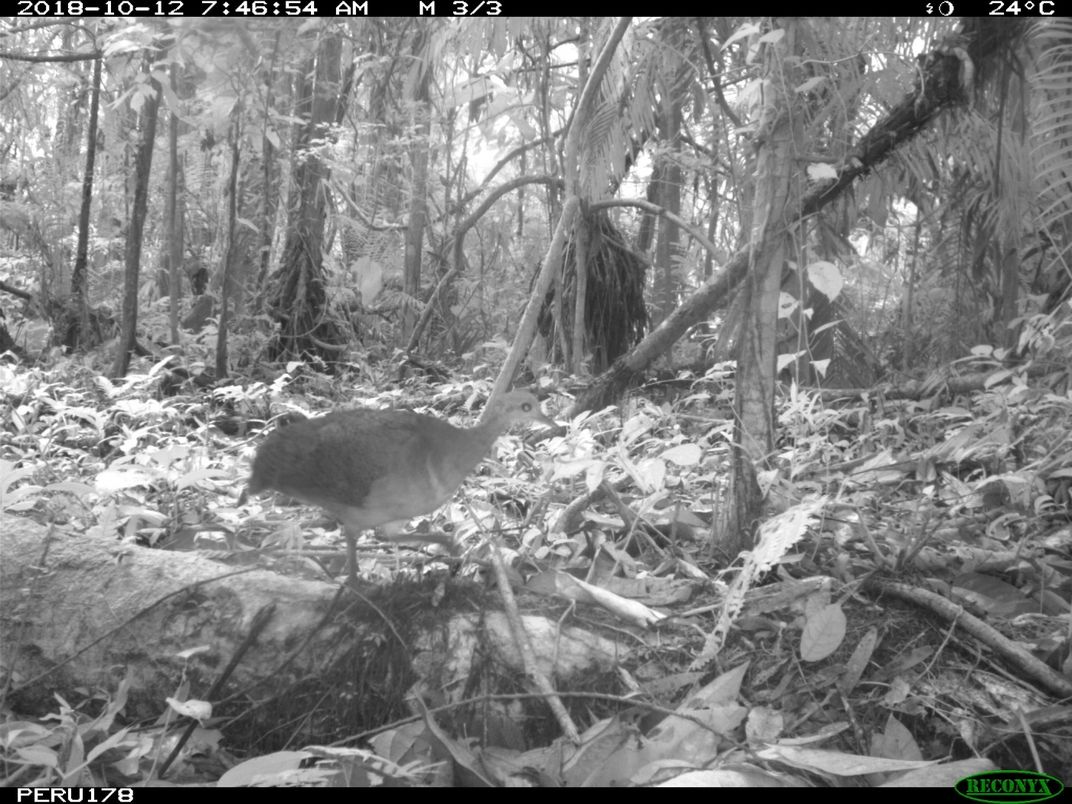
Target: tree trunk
point(668, 192)
point(143, 162)
point(779, 132)
point(229, 250)
point(77, 331)
point(418, 206)
point(298, 296)
point(581, 242)
point(173, 215)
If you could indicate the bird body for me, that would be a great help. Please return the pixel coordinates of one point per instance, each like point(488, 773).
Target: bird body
point(380, 468)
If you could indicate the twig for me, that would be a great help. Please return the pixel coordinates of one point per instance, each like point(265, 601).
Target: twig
point(528, 657)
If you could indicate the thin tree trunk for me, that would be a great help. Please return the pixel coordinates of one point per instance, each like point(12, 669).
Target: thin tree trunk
point(143, 162)
point(173, 216)
point(418, 207)
point(910, 295)
point(78, 323)
point(234, 135)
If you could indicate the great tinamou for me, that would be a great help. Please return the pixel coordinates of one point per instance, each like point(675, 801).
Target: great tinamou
point(380, 468)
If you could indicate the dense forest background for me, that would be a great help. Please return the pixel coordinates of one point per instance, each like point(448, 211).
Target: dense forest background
point(395, 183)
point(799, 288)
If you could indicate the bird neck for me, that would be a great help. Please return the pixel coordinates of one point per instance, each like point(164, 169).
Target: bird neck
point(477, 441)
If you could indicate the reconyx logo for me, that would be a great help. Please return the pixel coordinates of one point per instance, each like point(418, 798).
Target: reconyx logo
point(1021, 787)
